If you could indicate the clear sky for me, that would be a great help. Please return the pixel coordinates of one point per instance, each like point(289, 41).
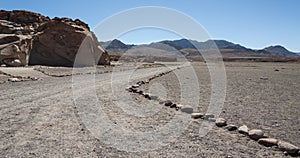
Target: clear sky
point(252, 23)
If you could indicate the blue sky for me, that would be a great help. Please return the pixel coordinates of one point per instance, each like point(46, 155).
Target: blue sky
point(252, 23)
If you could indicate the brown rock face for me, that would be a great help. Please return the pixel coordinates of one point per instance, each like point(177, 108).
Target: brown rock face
point(31, 38)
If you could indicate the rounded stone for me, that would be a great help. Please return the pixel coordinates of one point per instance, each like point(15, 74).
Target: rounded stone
point(243, 130)
point(221, 122)
point(268, 142)
point(256, 134)
point(288, 147)
point(187, 109)
point(168, 103)
point(231, 127)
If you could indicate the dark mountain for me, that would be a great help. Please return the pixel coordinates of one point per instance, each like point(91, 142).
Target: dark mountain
point(280, 51)
point(187, 46)
point(115, 44)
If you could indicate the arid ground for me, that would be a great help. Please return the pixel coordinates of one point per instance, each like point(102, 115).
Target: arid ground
point(39, 117)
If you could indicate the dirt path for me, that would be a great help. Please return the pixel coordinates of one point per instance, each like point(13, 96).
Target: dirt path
point(40, 119)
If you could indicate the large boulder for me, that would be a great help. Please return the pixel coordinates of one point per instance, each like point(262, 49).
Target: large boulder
point(31, 38)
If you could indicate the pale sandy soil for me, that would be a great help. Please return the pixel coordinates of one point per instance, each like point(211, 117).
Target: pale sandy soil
point(40, 118)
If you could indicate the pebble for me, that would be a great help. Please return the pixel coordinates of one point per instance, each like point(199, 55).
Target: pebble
point(268, 142)
point(243, 130)
point(135, 86)
point(14, 80)
point(187, 109)
point(178, 106)
point(256, 134)
point(264, 78)
point(154, 97)
point(220, 122)
point(231, 127)
point(140, 82)
point(288, 147)
point(147, 96)
point(207, 116)
point(34, 78)
point(140, 92)
point(173, 106)
point(168, 103)
point(134, 90)
point(197, 115)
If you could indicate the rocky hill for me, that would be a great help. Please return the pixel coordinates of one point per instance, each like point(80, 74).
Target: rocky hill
point(28, 38)
point(188, 48)
point(279, 51)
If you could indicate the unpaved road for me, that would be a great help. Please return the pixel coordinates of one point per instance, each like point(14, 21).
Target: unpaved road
point(40, 118)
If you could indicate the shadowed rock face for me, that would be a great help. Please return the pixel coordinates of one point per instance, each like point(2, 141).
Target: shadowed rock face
point(31, 38)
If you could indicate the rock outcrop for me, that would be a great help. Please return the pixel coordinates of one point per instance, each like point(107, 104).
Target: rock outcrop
point(31, 38)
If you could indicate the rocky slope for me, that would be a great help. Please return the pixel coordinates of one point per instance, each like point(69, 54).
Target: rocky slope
point(31, 38)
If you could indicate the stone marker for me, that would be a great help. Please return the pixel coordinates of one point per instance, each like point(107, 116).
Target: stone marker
point(221, 122)
point(256, 134)
point(243, 130)
point(231, 127)
point(140, 91)
point(197, 115)
point(288, 147)
point(207, 116)
point(173, 106)
point(146, 95)
point(153, 97)
point(187, 109)
point(135, 86)
point(168, 103)
point(268, 142)
point(14, 80)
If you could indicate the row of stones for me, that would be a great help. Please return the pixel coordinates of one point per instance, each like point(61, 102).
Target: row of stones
point(254, 134)
point(19, 78)
point(259, 136)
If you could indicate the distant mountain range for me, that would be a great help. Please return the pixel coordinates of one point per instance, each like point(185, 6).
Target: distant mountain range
point(188, 48)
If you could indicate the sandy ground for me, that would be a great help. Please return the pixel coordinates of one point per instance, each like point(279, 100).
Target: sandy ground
point(46, 117)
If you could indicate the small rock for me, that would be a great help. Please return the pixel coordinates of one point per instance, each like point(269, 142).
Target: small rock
point(231, 127)
point(197, 115)
point(140, 92)
point(135, 86)
point(3, 65)
point(173, 106)
point(153, 97)
point(268, 142)
point(14, 80)
point(134, 90)
point(187, 109)
point(220, 122)
point(168, 103)
point(178, 106)
point(161, 102)
point(207, 116)
point(288, 147)
point(147, 96)
point(256, 134)
point(243, 130)
point(264, 78)
point(211, 119)
point(129, 89)
point(140, 83)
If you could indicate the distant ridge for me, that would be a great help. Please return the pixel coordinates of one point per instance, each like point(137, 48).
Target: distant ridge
point(189, 46)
